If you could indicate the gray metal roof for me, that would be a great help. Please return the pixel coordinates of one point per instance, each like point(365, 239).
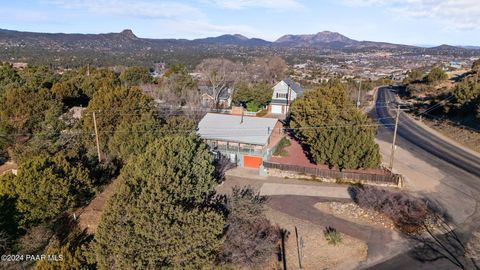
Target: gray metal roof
point(227, 127)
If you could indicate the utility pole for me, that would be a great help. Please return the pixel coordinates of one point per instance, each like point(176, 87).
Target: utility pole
point(241, 119)
point(359, 92)
point(96, 137)
point(298, 249)
point(394, 136)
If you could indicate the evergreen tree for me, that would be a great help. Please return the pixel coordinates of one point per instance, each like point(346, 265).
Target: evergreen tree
point(47, 186)
point(135, 75)
point(160, 216)
point(8, 77)
point(252, 96)
point(9, 218)
point(131, 138)
point(114, 106)
point(334, 132)
point(435, 75)
point(65, 258)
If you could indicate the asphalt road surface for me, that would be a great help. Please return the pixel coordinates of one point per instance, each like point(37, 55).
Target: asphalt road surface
point(418, 136)
point(459, 187)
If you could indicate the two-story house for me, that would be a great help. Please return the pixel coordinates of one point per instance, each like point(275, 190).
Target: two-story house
point(284, 93)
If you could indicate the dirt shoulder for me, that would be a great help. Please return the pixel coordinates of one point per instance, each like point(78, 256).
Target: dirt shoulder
point(467, 138)
point(419, 175)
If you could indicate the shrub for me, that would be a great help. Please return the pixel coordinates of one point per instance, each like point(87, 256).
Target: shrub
point(332, 236)
point(280, 151)
point(435, 75)
point(253, 106)
point(407, 212)
point(250, 239)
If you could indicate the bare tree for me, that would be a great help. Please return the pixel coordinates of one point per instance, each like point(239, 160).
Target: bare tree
point(473, 249)
point(219, 73)
point(268, 69)
point(250, 239)
point(422, 221)
point(406, 211)
point(36, 239)
point(150, 89)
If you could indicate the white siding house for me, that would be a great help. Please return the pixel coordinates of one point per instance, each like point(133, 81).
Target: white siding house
point(284, 93)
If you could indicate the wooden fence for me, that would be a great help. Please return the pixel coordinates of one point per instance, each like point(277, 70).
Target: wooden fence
point(358, 177)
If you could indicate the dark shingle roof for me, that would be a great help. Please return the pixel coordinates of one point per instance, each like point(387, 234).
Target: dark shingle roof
point(295, 86)
point(224, 94)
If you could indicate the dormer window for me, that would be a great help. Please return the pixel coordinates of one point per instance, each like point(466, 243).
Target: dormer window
point(282, 95)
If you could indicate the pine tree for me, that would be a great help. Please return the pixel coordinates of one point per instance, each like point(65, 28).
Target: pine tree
point(47, 186)
point(334, 132)
point(114, 106)
point(160, 215)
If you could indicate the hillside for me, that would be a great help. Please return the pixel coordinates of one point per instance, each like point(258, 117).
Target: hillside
point(125, 48)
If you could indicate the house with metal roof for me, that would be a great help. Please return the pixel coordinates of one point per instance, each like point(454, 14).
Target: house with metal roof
point(247, 141)
point(284, 93)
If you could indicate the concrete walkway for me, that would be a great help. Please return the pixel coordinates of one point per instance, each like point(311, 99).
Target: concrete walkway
point(270, 189)
point(271, 185)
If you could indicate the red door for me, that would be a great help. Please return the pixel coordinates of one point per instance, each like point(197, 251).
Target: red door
point(252, 162)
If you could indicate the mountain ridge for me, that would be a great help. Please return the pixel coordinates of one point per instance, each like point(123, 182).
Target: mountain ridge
point(324, 39)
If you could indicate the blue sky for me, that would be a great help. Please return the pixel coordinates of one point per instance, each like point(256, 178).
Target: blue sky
point(417, 22)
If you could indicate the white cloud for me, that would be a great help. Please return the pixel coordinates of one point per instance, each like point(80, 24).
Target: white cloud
point(277, 5)
point(459, 14)
point(139, 8)
point(26, 16)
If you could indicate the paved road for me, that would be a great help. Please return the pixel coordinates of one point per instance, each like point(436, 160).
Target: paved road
point(418, 136)
point(459, 188)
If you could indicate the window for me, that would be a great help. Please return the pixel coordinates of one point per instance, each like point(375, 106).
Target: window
point(282, 95)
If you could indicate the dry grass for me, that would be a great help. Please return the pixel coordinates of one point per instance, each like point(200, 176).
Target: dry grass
point(464, 136)
point(318, 254)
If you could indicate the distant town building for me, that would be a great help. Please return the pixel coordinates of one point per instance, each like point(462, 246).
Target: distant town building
point(455, 64)
point(284, 93)
point(246, 140)
point(20, 65)
point(76, 112)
